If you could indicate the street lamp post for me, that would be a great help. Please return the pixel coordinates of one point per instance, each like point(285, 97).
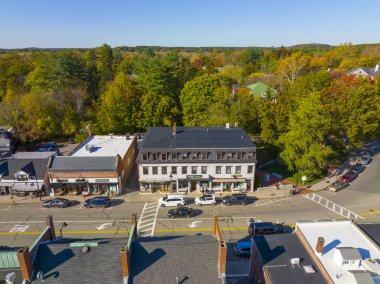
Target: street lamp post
point(171, 183)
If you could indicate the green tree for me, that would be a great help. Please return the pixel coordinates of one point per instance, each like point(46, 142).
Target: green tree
point(305, 143)
point(118, 107)
point(289, 68)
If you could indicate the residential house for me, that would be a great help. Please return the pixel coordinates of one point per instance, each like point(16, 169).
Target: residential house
point(261, 91)
point(103, 163)
point(25, 173)
point(6, 141)
point(196, 158)
point(365, 72)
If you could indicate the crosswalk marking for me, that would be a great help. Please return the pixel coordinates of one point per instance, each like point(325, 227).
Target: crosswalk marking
point(147, 216)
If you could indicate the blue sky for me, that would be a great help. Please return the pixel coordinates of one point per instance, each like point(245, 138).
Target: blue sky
point(90, 23)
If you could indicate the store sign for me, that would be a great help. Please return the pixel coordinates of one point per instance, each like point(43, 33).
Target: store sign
point(194, 176)
point(237, 175)
point(102, 180)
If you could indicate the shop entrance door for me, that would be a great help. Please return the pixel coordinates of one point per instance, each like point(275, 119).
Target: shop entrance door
point(193, 186)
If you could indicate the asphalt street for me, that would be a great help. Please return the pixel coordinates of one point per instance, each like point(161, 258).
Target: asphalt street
point(20, 224)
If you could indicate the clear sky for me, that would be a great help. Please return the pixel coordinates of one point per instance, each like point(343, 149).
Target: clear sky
point(90, 23)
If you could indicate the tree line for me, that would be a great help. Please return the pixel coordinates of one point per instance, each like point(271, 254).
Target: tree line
point(318, 113)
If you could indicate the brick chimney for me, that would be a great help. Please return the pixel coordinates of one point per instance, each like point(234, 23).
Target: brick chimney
point(320, 244)
point(222, 257)
point(26, 263)
point(124, 259)
point(174, 132)
point(49, 223)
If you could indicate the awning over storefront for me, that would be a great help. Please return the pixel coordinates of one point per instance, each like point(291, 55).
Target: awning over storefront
point(66, 185)
point(27, 187)
point(229, 180)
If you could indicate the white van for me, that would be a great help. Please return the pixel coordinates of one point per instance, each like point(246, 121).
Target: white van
point(172, 200)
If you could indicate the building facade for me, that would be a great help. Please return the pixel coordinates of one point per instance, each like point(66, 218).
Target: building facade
point(100, 164)
point(196, 158)
point(25, 173)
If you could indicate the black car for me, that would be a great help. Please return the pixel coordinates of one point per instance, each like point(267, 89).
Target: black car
point(56, 202)
point(180, 212)
point(265, 228)
point(101, 201)
point(239, 199)
point(358, 168)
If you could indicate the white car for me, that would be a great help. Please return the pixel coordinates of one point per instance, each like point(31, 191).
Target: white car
point(205, 200)
point(171, 200)
point(365, 159)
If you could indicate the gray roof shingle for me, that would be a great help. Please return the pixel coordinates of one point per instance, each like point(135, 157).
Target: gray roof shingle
point(33, 167)
point(71, 163)
point(65, 265)
point(276, 252)
point(196, 137)
point(161, 259)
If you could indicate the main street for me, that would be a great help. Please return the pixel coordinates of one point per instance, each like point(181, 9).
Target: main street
point(20, 224)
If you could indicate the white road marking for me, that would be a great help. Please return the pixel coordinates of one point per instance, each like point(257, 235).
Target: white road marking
point(80, 207)
point(8, 208)
point(19, 228)
point(150, 217)
point(103, 226)
point(194, 224)
point(336, 208)
point(262, 202)
point(67, 221)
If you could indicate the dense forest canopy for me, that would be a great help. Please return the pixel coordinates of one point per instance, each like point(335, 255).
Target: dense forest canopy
point(318, 109)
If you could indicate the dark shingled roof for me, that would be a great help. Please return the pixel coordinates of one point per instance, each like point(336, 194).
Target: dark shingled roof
point(83, 164)
point(33, 167)
point(161, 259)
point(64, 265)
point(276, 252)
point(372, 230)
point(196, 137)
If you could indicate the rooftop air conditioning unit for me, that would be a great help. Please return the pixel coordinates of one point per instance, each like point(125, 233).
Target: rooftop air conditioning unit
point(89, 147)
point(295, 262)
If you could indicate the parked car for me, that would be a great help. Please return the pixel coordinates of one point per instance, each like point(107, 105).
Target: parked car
point(49, 147)
point(358, 168)
point(349, 176)
point(100, 201)
point(180, 212)
point(172, 200)
point(264, 228)
point(205, 200)
point(365, 159)
point(56, 202)
point(243, 248)
point(239, 199)
point(338, 185)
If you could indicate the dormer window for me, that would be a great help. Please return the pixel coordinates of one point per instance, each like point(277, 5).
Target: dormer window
point(22, 177)
point(163, 156)
point(145, 156)
point(218, 156)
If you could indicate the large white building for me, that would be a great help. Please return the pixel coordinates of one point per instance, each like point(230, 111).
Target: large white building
point(196, 158)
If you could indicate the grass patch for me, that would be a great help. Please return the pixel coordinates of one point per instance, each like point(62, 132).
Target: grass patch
point(280, 168)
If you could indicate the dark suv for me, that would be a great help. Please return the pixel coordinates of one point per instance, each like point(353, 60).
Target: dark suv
point(98, 202)
point(264, 228)
point(180, 212)
point(239, 199)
